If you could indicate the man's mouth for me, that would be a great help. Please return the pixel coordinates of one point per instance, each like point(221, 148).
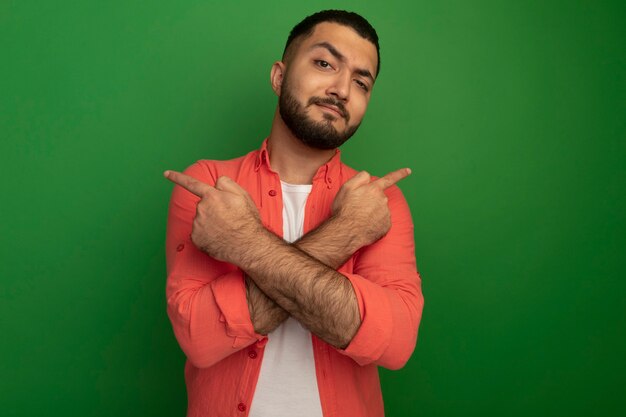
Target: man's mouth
point(332, 109)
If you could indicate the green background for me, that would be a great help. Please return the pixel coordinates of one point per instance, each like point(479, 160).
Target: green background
point(511, 115)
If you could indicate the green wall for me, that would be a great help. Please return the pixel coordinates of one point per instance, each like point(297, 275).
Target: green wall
point(510, 113)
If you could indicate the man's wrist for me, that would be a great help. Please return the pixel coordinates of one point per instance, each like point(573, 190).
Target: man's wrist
point(344, 226)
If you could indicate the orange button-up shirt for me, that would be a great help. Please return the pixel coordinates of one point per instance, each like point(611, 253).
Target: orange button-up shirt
point(207, 305)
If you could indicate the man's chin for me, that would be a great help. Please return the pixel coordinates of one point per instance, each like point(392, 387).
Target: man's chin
point(327, 117)
point(322, 142)
point(315, 129)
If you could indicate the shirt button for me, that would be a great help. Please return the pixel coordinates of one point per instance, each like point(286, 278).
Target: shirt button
point(330, 180)
point(180, 247)
point(241, 407)
point(252, 354)
point(272, 193)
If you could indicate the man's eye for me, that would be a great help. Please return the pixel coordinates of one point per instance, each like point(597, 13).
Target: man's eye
point(362, 85)
point(323, 64)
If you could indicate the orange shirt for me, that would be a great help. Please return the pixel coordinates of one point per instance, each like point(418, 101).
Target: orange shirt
point(207, 305)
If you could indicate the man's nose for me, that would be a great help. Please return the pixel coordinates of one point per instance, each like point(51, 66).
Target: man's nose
point(340, 87)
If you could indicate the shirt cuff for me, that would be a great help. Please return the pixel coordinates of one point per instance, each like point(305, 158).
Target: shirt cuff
point(230, 296)
point(374, 335)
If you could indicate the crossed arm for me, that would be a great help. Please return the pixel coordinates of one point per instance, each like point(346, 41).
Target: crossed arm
point(297, 279)
point(332, 244)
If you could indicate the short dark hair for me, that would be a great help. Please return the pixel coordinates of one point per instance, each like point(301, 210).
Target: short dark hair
point(355, 21)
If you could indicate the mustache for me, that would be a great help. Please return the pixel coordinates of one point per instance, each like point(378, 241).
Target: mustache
point(332, 102)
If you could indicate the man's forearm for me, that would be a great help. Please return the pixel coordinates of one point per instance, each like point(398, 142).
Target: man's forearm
point(314, 294)
point(265, 314)
point(331, 243)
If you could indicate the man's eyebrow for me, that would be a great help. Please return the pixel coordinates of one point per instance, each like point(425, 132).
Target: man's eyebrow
point(334, 52)
point(331, 49)
point(364, 73)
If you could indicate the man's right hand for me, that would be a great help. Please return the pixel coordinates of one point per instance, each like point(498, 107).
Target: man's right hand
point(227, 221)
point(362, 204)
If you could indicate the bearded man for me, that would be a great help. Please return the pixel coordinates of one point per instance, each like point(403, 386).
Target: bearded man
point(291, 276)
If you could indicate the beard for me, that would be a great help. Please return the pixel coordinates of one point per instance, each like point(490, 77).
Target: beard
point(318, 135)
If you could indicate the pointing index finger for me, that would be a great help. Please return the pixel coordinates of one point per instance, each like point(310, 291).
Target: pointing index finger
point(189, 183)
point(390, 179)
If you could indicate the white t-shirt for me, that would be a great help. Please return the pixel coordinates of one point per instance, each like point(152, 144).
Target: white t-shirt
point(287, 384)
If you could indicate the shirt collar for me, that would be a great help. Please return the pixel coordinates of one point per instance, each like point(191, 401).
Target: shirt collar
point(328, 172)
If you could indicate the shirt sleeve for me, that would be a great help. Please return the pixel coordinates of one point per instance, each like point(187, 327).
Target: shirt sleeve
point(388, 289)
point(206, 298)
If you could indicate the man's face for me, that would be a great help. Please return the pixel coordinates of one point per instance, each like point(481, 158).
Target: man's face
point(327, 85)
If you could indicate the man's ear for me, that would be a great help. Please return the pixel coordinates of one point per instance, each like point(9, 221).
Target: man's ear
point(276, 76)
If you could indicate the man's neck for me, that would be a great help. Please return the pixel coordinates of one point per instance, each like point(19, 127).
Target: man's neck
point(294, 162)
